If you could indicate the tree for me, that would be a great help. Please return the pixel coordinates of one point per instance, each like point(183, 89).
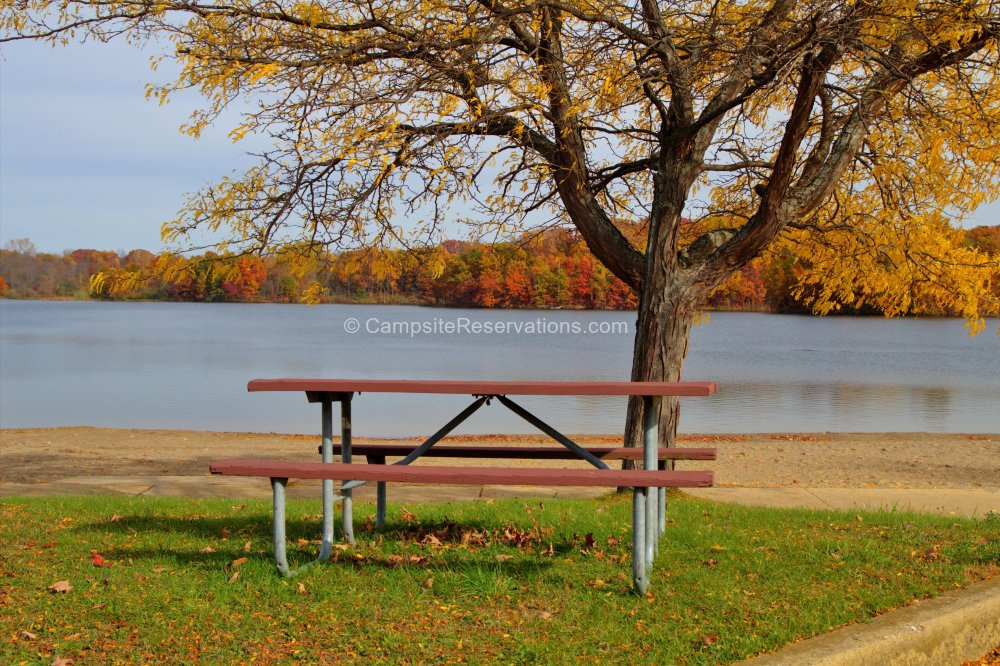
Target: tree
point(845, 128)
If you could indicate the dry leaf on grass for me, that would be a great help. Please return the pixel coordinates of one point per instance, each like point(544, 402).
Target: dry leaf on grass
point(60, 587)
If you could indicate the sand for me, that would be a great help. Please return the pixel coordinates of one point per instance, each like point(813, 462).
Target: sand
point(820, 460)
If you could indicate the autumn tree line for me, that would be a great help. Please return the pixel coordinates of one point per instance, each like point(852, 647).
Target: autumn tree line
point(551, 269)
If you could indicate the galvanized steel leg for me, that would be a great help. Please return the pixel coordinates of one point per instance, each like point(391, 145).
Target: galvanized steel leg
point(661, 496)
point(280, 557)
point(280, 554)
point(650, 440)
point(327, 452)
point(640, 574)
point(379, 493)
point(347, 502)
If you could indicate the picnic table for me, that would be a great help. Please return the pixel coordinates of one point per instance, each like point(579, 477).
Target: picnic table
point(648, 507)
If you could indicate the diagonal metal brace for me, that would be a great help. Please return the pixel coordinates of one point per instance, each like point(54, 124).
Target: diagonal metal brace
point(552, 432)
point(433, 439)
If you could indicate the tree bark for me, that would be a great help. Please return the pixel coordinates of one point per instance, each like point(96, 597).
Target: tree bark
point(662, 332)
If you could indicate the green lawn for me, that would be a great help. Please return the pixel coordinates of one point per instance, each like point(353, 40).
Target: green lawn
point(507, 581)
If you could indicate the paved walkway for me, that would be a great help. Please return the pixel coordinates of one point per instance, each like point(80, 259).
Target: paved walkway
point(957, 502)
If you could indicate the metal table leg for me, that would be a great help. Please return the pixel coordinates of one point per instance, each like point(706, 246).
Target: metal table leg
point(640, 573)
point(327, 407)
point(347, 503)
point(650, 441)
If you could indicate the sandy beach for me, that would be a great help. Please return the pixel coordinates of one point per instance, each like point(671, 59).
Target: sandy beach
point(826, 460)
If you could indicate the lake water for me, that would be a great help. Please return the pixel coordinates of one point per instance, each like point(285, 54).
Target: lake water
point(186, 365)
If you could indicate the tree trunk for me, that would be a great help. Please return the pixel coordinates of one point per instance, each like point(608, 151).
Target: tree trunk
point(661, 343)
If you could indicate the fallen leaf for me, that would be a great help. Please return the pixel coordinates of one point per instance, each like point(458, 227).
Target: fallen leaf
point(208, 549)
point(588, 540)
point(235, 577)
point(96, 558)
point(238, 561)
point(429, 584)
point(719, 548)
point(27, 634)
point(62, 661)
point(246, 547)
point(159, 569)
point(406, 516)
point(224, 534)
point(708, 641)
point(116, 518)
point(301, 588)
point(61, 586)
point(504, 557)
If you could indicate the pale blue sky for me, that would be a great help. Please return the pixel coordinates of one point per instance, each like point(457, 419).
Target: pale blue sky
point(87, 161)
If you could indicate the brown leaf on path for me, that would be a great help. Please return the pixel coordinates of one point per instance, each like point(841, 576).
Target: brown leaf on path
point(60, 587)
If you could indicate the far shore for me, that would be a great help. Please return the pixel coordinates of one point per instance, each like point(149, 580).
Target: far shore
point(777, 460)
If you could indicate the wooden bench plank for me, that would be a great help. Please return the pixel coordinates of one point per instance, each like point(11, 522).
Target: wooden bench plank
point(526, 452)
point(483, 387)
point(463, 475)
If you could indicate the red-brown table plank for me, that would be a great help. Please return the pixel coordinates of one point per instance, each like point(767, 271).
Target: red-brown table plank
point(462, 475)
point(483, 387)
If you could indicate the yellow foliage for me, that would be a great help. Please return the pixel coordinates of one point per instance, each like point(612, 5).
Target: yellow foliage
point(389, 119)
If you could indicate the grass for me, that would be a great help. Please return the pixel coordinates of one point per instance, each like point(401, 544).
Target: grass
point(480, 582)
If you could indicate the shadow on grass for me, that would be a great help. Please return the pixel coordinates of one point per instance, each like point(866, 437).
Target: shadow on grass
point(213, 542)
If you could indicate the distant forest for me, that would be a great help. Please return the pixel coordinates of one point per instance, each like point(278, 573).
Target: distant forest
point(552, 269)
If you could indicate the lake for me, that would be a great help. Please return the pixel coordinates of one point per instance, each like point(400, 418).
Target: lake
point(186, 365)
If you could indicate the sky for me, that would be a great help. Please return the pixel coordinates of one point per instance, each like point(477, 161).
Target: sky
point(87, 162)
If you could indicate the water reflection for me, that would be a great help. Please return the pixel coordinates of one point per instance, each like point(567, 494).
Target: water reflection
point(163, 365)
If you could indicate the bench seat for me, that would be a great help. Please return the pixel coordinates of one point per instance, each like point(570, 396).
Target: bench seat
point(279, 469)
point(524, 452)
